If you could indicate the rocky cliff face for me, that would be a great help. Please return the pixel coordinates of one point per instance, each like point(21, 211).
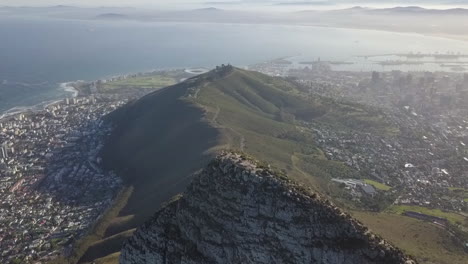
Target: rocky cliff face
point(236, 212)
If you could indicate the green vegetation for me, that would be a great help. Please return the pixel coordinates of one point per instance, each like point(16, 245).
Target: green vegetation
point(17, 261)
point(98, 231)
point(106, 246)
point(459, 193)
point(428, 242)
point(263, 111)
point(458, 189)
point(144, 82)
point(451, 217)
point(164, 137)
point(110, 259)
point(160, 140)
point(378, 185)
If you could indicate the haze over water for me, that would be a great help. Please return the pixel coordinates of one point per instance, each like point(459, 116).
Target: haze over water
point(37, 54)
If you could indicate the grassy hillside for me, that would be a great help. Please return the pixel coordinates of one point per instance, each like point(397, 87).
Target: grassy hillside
point(158, 142)
point(428, 242)
point(165, 136)
point(378, 185)
point(154, 80)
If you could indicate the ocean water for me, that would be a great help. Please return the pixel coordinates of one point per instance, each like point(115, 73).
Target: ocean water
point(38, 54)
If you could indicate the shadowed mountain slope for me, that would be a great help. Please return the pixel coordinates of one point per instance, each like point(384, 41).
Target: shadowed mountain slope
point(161, 139)
point(164, 136)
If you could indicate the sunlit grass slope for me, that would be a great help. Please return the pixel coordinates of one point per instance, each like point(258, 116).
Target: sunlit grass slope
point(162, 138)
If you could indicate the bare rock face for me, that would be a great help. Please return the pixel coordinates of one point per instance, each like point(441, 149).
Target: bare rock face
point(237, 212)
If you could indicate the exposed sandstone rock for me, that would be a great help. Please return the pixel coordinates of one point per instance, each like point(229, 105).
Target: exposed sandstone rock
point(236, 212)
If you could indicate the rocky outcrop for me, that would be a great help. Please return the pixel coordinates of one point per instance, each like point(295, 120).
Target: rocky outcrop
point(238, 212)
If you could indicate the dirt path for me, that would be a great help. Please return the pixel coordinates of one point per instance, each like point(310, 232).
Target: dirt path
point(214, 120)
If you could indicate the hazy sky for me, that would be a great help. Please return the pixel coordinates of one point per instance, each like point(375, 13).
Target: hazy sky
point(179, 3)
point(96, 2)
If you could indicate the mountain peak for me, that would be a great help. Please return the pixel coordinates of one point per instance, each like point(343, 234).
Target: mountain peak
point(237, 211)
point(111, 16)
point(209, 9)
point(408, 8)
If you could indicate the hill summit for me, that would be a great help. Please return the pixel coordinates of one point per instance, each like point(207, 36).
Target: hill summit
point(236, 211)
point(160, 140)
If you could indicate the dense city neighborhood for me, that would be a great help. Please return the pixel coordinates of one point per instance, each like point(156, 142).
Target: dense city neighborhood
point(423, 157)
point(52, 187)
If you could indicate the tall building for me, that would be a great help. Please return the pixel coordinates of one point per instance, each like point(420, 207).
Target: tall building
point(464, 85)
point(4, 152)
point(375, 77)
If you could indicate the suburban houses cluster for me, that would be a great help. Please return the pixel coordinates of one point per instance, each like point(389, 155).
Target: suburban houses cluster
point(425, 154)
point(52, 185)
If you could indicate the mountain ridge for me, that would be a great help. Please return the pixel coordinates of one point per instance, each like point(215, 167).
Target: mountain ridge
point(393, 10)
point(160, 140)
point(236, 211)
point(225, 108)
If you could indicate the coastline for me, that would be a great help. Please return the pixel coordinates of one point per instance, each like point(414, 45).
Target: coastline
point(67, 87)
point(71, 91)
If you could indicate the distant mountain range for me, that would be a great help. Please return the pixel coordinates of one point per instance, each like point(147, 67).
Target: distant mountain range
point(111, 16)
point(306, 3)
point(210, 9)
point(415, 10)
point(399, 10)
point(394, 10)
